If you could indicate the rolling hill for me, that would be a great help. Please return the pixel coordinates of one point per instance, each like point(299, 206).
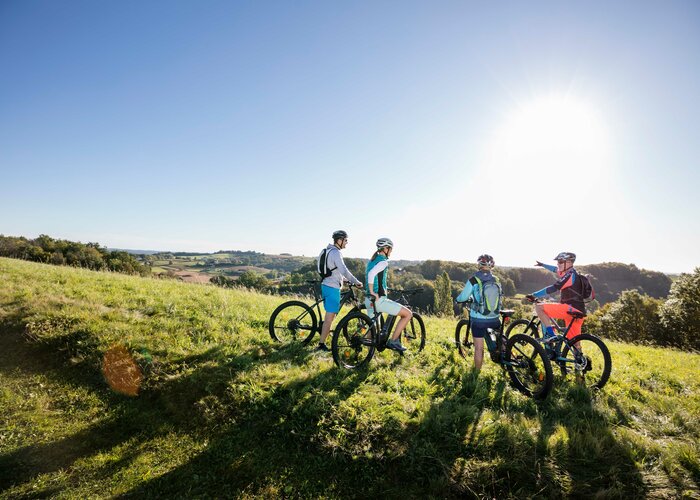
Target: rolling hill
point(219, 410)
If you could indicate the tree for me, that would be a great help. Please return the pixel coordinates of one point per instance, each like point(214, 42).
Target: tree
point(680, 314)
point(506, 284)
point(443, 295)
point(253, 280)
point(632, 318)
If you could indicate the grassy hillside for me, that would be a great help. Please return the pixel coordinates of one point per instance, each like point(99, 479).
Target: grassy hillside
point(222, 411)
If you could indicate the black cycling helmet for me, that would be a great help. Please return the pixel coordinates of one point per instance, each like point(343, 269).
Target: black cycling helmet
point(485, 260)
point(566, 256)
point(339, 235)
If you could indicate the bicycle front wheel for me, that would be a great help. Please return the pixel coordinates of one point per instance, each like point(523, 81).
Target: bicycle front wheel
point(353, 341)
point(588, 358)
point(462, 337)
point(528, 366)
point(293, 321)
point(414, 333)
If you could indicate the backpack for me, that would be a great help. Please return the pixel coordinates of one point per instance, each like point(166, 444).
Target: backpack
point(322, 266)
point(587, 291)
point(490, 296)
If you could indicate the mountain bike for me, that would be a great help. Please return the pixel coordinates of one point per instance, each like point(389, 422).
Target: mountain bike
point(296, 321)
point(414, 333)
point(357, 337)
point(584, 355)
point(521, 356)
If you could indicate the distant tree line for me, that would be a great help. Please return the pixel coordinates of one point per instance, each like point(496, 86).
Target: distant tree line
point(70, 253)
point(609, 280)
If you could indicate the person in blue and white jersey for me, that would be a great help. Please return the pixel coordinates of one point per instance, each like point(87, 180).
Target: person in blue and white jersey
point(376, 288)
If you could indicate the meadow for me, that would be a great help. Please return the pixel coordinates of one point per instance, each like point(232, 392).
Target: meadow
point(222, 411)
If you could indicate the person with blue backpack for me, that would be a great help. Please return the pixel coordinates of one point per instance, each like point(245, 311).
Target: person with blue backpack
point(333, 271)
point(486, 293)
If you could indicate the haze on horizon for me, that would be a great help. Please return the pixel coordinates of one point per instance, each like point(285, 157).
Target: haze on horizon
point(517, 129)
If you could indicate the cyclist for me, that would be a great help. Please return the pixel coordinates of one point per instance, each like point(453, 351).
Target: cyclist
point(570, 286)
point(331, 285)
point(484, 311)
point(376, 286)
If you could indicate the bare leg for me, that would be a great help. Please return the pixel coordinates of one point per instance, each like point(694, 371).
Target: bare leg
point(478, 353)
point(327, 322)
point(405, 316)
point(546, 320)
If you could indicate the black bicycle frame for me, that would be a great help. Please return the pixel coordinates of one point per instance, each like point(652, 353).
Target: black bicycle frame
point(536, 322)
point(345, 297)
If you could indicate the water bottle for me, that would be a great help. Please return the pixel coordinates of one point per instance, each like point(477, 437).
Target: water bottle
point(495, 351)
point(492, 335)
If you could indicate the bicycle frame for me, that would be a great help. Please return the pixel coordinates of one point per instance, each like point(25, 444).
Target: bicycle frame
point(559, 340)
point(492, 345)
point(403, 300)
point(345, 297)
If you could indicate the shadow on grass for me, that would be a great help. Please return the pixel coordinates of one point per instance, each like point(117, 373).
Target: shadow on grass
point(510, 454)
point(280, 441)
point(589, 459)
point(71, 358)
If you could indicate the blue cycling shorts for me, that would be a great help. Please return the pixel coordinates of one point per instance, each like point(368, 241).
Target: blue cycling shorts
point(479, 326)
point(331, 298)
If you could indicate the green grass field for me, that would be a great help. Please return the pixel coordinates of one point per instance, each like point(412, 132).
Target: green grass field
point(223, 412)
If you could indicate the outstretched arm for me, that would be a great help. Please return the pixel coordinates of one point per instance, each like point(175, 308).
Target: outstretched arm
point(548, 267)
point(555, 287)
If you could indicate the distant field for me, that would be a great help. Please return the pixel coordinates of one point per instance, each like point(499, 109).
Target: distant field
point(222, 411)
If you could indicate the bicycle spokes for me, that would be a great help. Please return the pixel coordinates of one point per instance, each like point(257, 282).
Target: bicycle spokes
point(588, 359)
point(528, 366)
point(353, 341)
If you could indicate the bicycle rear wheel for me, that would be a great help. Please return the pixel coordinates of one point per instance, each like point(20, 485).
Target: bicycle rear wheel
point(528, 366)
point(353, 341)
point(414, 333)
point(588, 358)
point(293, 321)
point(463, 339)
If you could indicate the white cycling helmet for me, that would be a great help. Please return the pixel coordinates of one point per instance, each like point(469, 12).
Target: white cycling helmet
point(385, 242)
point(485, 260)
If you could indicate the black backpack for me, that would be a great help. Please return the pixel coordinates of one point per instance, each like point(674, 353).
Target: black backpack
point(587, 291)
point(322, 267)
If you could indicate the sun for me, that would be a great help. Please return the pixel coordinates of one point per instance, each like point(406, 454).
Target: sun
point(551, 137)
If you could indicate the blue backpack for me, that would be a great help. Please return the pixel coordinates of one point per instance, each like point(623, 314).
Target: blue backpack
point(490, 294)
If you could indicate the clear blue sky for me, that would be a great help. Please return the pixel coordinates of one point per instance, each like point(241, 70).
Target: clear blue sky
point(519, 129)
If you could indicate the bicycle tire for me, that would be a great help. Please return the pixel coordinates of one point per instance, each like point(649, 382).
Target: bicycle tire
point(533, 377)
point(289, 322)
point(522, 326)
point(588, 367)
point(414, 333)
point(348, 344)
point(462, 334)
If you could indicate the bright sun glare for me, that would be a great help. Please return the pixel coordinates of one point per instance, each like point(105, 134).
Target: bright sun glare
point(548, 137)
